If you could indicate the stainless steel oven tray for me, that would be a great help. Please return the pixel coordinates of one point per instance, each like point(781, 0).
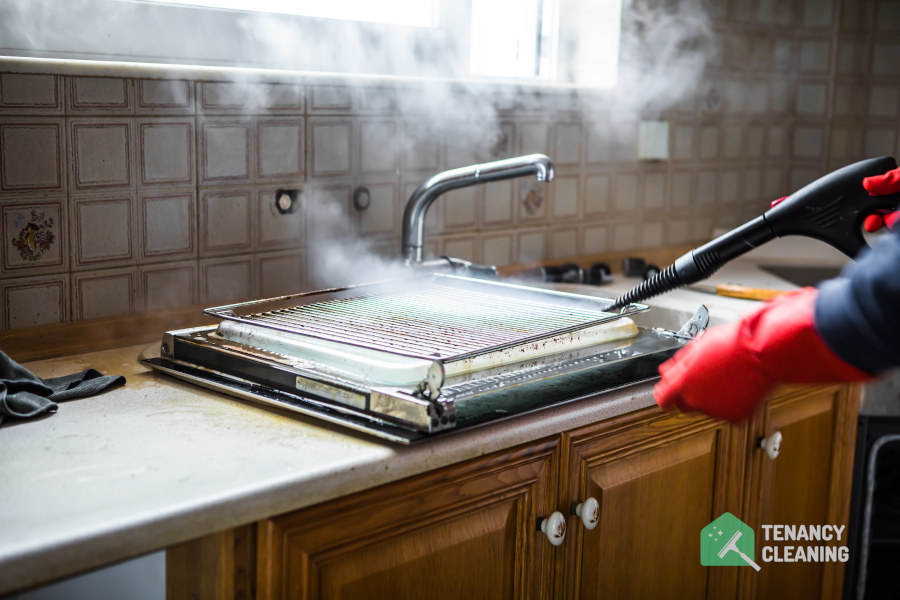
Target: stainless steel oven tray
point(409, 359)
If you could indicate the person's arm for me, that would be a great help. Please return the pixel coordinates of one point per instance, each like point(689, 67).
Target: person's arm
point(858, 314)
point(847, 331)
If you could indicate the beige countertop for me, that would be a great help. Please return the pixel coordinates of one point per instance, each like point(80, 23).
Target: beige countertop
point(157, 461)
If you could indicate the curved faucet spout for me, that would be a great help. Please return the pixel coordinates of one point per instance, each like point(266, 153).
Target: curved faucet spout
point(413, 238)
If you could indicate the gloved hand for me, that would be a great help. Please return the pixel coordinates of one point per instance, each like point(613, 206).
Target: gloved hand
point(726, 371)
point(882, 185)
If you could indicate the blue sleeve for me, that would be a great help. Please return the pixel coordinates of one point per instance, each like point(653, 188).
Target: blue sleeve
point(858, 313)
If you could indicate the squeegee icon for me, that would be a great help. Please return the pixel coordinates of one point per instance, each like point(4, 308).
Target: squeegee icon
point(727, 541)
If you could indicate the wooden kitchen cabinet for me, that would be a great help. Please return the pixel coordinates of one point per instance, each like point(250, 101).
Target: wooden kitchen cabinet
point(469, 530)
point(808, 483)
point(466, 531)
point(659, 478)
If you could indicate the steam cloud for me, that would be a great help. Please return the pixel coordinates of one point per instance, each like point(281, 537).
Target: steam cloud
point(664, 49)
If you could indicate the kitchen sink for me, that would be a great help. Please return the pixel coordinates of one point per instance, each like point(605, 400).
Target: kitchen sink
point(803, 275)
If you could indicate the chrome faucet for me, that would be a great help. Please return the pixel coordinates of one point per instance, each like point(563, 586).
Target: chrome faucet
point(413, 238)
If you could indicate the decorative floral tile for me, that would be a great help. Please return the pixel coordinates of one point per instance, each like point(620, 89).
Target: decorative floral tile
point(34, 237)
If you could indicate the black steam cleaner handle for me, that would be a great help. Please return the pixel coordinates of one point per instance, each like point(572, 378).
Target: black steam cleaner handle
point(831, 209)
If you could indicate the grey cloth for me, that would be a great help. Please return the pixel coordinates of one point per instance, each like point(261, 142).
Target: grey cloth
point(24, 395)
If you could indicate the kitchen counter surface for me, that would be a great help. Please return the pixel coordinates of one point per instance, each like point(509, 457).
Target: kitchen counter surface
point(158, 462)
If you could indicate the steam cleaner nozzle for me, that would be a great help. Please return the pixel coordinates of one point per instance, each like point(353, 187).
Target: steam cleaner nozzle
point(831, 209)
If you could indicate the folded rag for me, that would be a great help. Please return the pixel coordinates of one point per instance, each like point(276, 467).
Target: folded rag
point(24, 395)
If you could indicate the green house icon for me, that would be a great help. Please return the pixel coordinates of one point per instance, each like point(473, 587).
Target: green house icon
point(727, 541)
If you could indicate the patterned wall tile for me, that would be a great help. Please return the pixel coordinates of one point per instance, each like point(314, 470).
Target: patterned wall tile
point(420, 145)
point(164, 97)
point(168, 225)
point(104, 293)
point(99, 95)
point(809, 141)
point(280, 149)
point(330, 98)
point(245, 98)
point(568, 144)
point(330, 147)
point(32, 155)
point(165, 151)
point(626, 192)
point(276, 230)
point(596, 195)
point(815, 56)
point(465, 247)
point(288, 99)
point(880, 141)
point(168, 285)
point(817, 13)
point(730, 187)
point(497, 208)
point(377, 100)
point(812, 97)
point(102, 231)
point(227, 280)
point(654, 192)
point(32, 301)
point(379, 147)
point(595, 239)
point(652, 233)
point(682, 191)
point(460, 207)
point(709, 142)
point(531, 246)
point(281, 273)
point(35, 236)
point(226, 222)
point(328, 214)
point(215, 97)
point(884, 101)
point(101, 153)
point(497, 249)
point(382, 217)
point(226, 146)
point(599, 142)
point(531, 200)
point(563, 243)
point(30, 94)
point(534, 136)
point(566, 193)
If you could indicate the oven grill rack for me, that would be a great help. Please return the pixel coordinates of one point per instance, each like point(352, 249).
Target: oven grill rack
point(437, 317)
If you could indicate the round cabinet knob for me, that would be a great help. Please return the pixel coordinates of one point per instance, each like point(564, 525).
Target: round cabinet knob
point(772, 444)
point(554, 527)
point(589, 512)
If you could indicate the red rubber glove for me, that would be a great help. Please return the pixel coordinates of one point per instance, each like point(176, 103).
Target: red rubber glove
point(882, 185)
point(728, 370)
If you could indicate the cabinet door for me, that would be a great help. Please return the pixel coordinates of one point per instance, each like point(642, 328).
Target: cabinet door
point(807, 484)
point(660, 478)
point(465, 531)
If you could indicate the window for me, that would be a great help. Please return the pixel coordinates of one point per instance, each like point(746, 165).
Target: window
point(564, 41)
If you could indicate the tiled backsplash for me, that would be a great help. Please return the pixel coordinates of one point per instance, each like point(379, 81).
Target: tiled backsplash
point(122, 195)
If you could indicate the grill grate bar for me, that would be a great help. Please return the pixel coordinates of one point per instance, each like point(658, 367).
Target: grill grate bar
point(438, 321)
